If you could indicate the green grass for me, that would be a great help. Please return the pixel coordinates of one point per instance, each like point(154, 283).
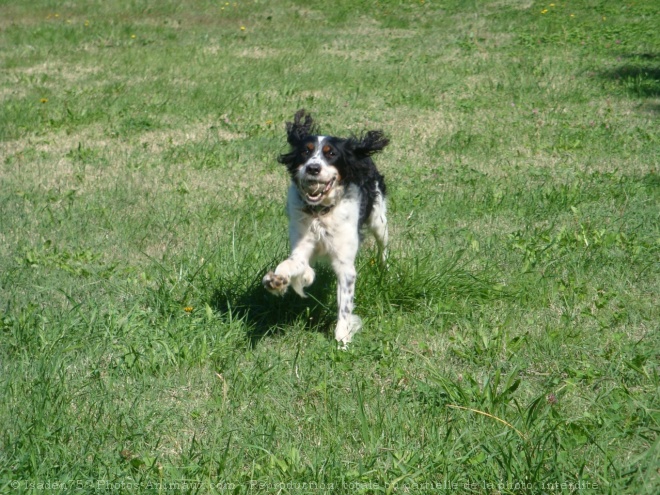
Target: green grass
point(513, 346)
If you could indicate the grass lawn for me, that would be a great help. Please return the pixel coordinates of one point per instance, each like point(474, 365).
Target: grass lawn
point(513, 345)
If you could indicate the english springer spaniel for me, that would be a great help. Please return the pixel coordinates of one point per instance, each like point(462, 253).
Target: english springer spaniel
point(335, 192)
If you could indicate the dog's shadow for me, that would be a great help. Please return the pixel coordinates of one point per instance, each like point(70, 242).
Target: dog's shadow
point(265, 314)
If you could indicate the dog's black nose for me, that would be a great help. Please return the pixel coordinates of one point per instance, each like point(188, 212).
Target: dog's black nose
point(313, 169)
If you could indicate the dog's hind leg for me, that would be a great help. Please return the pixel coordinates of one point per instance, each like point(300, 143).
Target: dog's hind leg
point(377, 225)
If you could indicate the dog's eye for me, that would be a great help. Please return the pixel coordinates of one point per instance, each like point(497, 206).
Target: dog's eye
point(331, 153)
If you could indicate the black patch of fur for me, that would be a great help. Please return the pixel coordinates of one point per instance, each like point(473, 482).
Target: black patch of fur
point(353, 158)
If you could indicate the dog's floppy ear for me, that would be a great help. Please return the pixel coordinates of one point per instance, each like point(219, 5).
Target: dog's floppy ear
point(368, 144)
point(302, 126)
point(297, 131)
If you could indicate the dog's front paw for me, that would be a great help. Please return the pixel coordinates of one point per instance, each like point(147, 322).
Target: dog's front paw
point(276, 284)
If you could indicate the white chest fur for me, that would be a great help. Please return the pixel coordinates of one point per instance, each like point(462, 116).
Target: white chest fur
point(333, 231)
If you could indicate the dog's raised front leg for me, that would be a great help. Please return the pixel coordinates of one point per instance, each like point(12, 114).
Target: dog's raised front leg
point(294, 271)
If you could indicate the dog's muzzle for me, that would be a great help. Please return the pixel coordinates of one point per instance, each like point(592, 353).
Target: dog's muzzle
point(314, 190)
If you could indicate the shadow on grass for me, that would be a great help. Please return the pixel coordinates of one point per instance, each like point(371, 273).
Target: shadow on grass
point(265, 314)
point(407, 285)
point(641, 76)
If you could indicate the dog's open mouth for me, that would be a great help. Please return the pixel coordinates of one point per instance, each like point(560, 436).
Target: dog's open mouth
point(314, 190)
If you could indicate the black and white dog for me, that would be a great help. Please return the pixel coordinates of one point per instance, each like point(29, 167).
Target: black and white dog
point(335, 191)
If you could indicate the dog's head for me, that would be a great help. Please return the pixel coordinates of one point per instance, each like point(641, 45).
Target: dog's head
point(320, 165)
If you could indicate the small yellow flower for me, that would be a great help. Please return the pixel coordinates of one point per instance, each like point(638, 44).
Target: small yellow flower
point(86, 23)
point(242, 28)
point(269, 122)
point(133, 36)
point(552, 5)
point(572, 15)
point(44, 100)
point(188, 309)
point(544, 11)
